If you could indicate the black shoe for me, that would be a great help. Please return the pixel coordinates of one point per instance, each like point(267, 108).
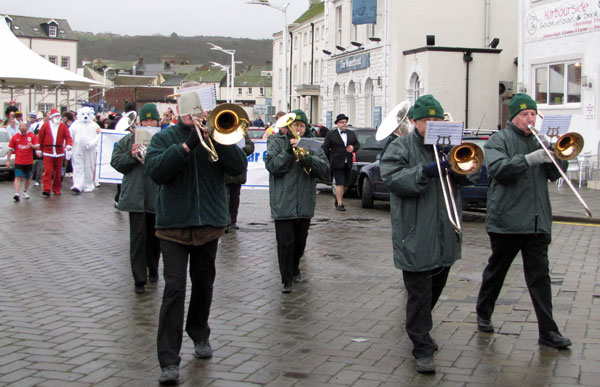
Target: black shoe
point(340, 208)
point(76, 190)
point(140, 289)
point(169, 375)
point(335, 202)
point(17, 197)
point(425, 365)
point(203, 350)
point(554, 339)
point(484, 325)
point(46, 194)
point(287, 288)
point(298, 278)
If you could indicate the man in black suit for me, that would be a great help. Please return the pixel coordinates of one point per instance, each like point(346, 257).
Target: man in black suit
point(338, 146)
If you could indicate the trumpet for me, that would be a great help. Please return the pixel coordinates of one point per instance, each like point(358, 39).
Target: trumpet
point(566, 147)
point(286, 122)
point(227, 124)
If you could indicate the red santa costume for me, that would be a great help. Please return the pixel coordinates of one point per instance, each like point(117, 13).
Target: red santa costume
point(52, 137)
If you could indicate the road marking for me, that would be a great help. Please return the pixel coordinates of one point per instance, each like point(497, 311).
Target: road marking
point(579, 224)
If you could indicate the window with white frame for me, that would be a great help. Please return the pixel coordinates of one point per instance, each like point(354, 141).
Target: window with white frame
point(558, 83)
point(239, 91)
point(261, 91)
point(45, 107)
point(317, 34)
point(338, 25)
point(296, 42)
point(317, 70)
point(305, 38)
point(52, 59)
point(52, 31)
point(64, 62)
point(249, 91)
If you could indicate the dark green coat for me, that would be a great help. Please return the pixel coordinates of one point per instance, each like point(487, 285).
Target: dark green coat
point(422, 235)
point(138, 191)
point(292, 192)
point(192, 190)
point(517, 198)
point(248, 150)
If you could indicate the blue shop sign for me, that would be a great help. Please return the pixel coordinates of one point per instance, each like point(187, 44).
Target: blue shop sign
point(351, 63)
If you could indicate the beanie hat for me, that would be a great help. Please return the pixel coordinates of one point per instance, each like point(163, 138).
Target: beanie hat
point(149, 112)
point(300, 116)
point(520, 102)
point(411, 112)
point(427, 106)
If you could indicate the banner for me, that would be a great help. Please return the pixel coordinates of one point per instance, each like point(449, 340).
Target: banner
point(562, 18)
point(258, 176)
point(352, 63)
point(364, 11)
point(108, 140)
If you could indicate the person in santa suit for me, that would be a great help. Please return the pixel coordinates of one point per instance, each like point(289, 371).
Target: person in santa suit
point(85, 134)
point(53, 137)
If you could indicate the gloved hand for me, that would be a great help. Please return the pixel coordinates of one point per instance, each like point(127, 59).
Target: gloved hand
point(306, 161)
point(193, 140)
point(537, 157)
point(430, 170)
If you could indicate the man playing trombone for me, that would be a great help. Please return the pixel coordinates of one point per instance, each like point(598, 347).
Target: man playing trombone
point(519, 217)
point(425, 241)
point(191, 216)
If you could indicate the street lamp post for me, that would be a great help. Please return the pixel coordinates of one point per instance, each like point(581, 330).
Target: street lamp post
point(283, 8)
point(226, 69)
point(232, 53)
point(104, 84)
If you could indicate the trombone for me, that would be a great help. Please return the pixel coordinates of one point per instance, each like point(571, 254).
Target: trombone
point(286, 122)
point(567, 147)
point(227, 124)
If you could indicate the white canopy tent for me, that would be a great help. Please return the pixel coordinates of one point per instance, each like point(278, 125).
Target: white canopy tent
point(26, 69)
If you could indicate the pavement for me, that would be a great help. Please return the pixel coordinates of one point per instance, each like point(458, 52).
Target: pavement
point(69, 315)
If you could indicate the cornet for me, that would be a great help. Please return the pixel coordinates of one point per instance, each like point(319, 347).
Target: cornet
point(286, 122)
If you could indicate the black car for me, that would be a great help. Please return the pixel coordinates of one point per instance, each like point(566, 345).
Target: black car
point(366, 154)
point(370, 187)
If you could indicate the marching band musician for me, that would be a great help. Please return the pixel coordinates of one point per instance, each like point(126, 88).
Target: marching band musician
point(292, 194)
point(425, 242)
point(138, 194)
point(191, 216)
point(519, 217)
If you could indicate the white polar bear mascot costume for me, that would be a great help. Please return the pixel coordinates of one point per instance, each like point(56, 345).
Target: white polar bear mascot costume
point(85, 133)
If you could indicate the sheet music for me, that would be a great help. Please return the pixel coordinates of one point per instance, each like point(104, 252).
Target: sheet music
point(307, 143)
point(443, 133)
point(207, 94)
point(555, 125)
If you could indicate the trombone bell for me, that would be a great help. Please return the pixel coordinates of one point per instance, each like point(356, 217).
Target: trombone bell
point(568, 146)
point(465, 158)
point(228, 124)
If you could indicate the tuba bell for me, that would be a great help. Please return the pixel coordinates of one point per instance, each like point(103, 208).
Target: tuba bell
point(396, 119)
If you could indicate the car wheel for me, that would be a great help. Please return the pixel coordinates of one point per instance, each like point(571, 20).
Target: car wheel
point(366, 197)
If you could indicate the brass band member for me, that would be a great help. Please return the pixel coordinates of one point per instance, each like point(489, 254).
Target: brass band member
point(425, 242)
point(519, 217)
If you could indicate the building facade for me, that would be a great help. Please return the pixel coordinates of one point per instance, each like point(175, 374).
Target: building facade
point(53, 40)
point(364, 70)
point(560, 64)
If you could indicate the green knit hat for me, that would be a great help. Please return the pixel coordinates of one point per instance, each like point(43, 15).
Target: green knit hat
point(427, 106)
point(149, 112)
point(300, 116)
point(411, 112)
point(520, 102)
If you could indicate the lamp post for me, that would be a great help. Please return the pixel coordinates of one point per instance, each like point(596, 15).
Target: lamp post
point(283, 8)
point(104, 84)
point(232, 74)
point(226, 69)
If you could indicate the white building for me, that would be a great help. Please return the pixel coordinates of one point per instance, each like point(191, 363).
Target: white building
point(560, 63)
point(364, 70)
point(54, 40)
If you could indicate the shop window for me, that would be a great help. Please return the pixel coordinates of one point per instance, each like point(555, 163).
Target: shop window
point(558, 83)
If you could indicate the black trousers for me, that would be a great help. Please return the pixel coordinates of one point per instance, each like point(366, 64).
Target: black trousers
point(534, 249)
point(144, 250)
point(291, 237)
point(424, 289)
point(202, 275)
point(233, 198)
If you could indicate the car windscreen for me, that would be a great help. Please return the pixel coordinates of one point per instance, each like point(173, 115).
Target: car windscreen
point(367, 140)
point(4, 137)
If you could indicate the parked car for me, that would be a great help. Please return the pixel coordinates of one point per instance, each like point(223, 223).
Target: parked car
point(366, 154)
point(370, 186)
point(4, 140)
point(255, 132)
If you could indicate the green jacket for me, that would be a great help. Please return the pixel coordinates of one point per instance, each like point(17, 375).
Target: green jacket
point(292, 192)
point(517, 198)
point(422, 235)
point(248, 150)
point(192, 191)
point(138, 192)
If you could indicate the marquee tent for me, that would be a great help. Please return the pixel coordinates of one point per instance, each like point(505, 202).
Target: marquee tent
point(24, 68)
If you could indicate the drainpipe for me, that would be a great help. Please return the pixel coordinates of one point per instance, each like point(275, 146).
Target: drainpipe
point(291, 66)
point(312, 64)
point(487, 22)
point(467, 58)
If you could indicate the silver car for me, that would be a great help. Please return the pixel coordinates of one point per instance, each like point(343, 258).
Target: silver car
point(4, 140)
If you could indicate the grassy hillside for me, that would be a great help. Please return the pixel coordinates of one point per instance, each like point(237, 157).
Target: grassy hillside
point(152, 48)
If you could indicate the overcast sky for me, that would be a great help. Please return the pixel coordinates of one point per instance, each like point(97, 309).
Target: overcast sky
point(232, 18)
